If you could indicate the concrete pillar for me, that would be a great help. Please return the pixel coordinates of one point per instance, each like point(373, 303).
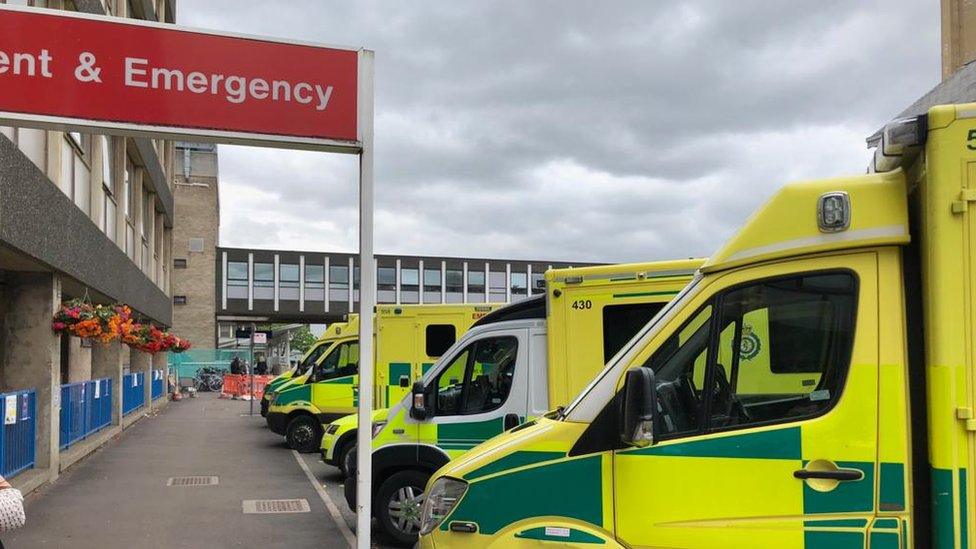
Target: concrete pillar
point(107, 362)
point(79, 361)
point(31, 355)
point(142, 362)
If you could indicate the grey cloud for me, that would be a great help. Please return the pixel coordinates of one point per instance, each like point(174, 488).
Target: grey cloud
point(677, 118)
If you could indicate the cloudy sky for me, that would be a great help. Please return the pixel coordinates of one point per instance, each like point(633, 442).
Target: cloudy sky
point(601, 131)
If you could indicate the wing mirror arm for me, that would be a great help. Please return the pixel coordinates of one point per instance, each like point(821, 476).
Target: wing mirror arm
point(638, 408)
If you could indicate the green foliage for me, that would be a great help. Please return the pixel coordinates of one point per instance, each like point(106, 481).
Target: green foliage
point(302, 339)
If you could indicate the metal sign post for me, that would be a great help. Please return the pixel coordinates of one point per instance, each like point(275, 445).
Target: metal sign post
point(367, 302)
point(144, 79)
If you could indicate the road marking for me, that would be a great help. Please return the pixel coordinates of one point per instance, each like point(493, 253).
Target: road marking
point(329, 504)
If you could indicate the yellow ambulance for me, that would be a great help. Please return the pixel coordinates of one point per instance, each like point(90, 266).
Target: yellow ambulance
point(311, 356)
point(866, 286)
point(517, 362)
point(409, 338)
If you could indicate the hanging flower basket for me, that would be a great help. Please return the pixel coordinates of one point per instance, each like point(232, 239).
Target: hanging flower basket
point(106, 323)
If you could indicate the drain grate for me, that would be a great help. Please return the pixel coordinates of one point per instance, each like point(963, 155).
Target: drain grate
point(275, 506)
point(192, 481)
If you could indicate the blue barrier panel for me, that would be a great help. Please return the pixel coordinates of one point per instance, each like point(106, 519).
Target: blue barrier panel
point(18, 434)
point(86, 407)
point(133, 392)
point(158, 382)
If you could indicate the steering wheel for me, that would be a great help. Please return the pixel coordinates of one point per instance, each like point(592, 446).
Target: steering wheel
point(732, 401)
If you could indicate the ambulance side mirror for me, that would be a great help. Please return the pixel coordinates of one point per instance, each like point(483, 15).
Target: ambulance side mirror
point(638, 408)
point(418, 408)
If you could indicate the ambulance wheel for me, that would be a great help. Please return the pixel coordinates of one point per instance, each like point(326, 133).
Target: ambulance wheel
point(399, 502)
point(346, 457)
point(304, 434)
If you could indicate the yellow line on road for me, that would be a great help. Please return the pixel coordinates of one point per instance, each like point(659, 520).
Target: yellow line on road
point(329, 504)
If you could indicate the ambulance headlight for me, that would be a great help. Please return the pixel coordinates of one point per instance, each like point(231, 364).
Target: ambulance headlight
point(442, 498)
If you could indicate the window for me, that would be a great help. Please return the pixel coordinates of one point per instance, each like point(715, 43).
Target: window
point(75, 180)
point(454, 282)
point(355, 283)
point(179, 263)
point(621, 322)
point(236, 279)
point(342, 361)
point(195, 245)
point(432, 285)
point(338, 283)
point(784, 348)
point(409, 286)
point(109, 200)
point(538, 283)
point(781, 352)
point(311, 358)
point(314, 282)
point(386, 284)
point(496, 285)
point(479, 379)
point(264, 281)
point(476, 286)
point(288, 281)
point(520, 286)
point(438, 338)
point(127, 207)
point(179, 300)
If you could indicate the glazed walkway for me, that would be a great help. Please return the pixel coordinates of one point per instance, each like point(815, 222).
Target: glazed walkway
point(119, 496)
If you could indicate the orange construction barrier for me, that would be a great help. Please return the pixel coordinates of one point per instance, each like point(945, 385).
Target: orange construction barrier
point(239, 386)
point(232, 386)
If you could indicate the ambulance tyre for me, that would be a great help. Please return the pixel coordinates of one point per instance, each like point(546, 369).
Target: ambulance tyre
point(398, 505)
point(346, 456)
point(304, 434)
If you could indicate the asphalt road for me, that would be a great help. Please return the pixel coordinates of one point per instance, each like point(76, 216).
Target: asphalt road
point(119, 496)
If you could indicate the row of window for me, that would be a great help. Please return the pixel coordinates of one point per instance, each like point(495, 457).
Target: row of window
point(386, 283)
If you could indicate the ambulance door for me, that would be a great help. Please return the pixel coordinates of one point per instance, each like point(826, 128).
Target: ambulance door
point(481, 391)
point(768, 447)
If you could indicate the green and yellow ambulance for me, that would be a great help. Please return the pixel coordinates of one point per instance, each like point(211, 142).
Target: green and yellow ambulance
point(409, 338)
point(311, 356)
point(856, 428)
point(517, 362)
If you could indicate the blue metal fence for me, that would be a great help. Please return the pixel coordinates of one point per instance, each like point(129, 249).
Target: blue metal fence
point(158, 383)
point(133, 391)
point(18, 433)
point(86, 407)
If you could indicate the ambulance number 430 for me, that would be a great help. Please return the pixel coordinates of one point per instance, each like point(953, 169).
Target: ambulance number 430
point(581, 304)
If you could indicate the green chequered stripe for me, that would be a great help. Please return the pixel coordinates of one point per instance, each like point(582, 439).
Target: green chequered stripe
point(832, 540)
point(469, 433)
point(396, 371)
point(536, 491)
point(294, 394)
point(344, 380)
point(775, 444)
point(511, 461)
point(945, 491)
point(573, 536)
point(425, 367)
point(847, 497)
point(644, 294)
point(892, 487)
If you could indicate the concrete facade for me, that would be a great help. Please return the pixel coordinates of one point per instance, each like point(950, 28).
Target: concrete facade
point(89, 216)
point(195, 242)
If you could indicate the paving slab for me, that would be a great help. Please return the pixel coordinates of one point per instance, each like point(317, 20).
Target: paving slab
point(119, 496)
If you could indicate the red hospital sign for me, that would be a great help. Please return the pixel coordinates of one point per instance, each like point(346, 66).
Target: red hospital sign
point(161, 77)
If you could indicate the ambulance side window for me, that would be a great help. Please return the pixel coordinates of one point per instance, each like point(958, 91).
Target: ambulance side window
point(679, 365)
point(438, 338)
point(478, 379)
point(342, 361)
point(784, 349)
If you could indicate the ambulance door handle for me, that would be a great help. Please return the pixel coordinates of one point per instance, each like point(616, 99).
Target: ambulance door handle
point(838, 474)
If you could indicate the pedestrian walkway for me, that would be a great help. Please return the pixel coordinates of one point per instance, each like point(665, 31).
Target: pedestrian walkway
point(119, 496)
